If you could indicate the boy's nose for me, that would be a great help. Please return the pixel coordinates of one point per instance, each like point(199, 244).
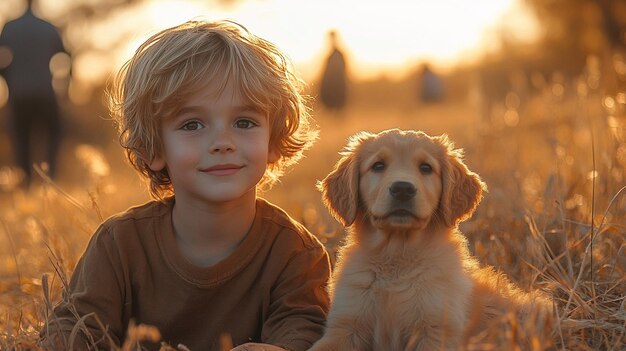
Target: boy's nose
point(221, 148)
point(222, 142)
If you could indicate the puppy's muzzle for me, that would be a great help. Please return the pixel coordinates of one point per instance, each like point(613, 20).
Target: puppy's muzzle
point(402, 191)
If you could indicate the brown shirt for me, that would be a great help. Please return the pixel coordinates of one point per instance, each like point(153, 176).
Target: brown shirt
point(272, 289)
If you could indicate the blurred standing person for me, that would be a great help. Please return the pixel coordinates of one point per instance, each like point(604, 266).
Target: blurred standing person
point(431, 85)
point(32, 104)
point(334, 81)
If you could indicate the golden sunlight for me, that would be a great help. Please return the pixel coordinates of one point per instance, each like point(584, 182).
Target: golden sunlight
point(378, 38)
point(390, 38)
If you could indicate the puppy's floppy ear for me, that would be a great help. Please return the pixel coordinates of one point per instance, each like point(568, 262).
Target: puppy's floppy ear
point(462, 189)
point(340, 189)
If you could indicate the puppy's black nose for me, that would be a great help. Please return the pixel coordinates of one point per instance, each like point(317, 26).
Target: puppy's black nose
point(402, 190)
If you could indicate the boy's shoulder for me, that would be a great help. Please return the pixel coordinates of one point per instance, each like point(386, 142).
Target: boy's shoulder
point(285, 225)
point(133, 230)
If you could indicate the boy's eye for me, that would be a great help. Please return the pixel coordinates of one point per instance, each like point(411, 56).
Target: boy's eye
point(245, 124)
point(191, 125)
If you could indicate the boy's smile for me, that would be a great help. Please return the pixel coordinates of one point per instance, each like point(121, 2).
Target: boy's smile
point(222, 169)
point(216, 148)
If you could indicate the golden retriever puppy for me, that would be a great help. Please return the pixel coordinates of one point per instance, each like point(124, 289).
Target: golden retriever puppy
point(405, 279)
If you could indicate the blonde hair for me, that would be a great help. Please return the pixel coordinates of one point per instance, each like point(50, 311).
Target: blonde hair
point(174, 63)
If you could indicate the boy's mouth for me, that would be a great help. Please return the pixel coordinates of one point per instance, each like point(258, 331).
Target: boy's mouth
point(222, 169)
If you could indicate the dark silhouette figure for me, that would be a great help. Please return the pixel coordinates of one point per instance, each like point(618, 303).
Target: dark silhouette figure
point(431, 85)
point(30, 43)
point(334, 81)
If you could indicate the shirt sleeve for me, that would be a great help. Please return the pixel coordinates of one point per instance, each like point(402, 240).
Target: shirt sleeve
point(299, 301)
point(94, 303)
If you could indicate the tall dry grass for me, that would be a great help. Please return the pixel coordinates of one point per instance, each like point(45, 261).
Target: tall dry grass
point(554, 218)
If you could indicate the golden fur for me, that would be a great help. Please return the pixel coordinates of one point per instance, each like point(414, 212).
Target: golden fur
point(405, 279)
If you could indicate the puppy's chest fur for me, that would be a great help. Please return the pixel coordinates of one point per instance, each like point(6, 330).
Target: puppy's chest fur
point(405, 293)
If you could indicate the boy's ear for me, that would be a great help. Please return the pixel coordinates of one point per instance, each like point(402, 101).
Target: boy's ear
point(157, 164)
point(273, 155)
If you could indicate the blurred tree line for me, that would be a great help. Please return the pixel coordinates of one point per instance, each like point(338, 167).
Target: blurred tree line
point(581, 27)
point(577, 39)
point(573, 31)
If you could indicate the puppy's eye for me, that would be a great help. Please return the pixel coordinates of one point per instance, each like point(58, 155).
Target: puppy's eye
point(378, 166)
point(425, 168)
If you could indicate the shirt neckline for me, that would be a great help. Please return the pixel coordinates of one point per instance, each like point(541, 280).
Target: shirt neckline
point(219, 272)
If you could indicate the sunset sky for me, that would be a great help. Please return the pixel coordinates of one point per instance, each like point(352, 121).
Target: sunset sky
point(378, 37)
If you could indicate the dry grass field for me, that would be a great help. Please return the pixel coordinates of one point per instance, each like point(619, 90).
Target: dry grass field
point(554, 217)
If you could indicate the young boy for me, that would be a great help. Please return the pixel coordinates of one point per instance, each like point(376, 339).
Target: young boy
point(207, 112)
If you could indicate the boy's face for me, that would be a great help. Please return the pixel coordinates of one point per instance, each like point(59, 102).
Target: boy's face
point(216, 149)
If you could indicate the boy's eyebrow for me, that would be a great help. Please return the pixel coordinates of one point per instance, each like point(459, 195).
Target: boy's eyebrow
point(186, 109)
point(240, 108)
point(249, 107)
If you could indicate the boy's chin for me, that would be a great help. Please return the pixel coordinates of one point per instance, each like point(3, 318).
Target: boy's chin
point(225, 195)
